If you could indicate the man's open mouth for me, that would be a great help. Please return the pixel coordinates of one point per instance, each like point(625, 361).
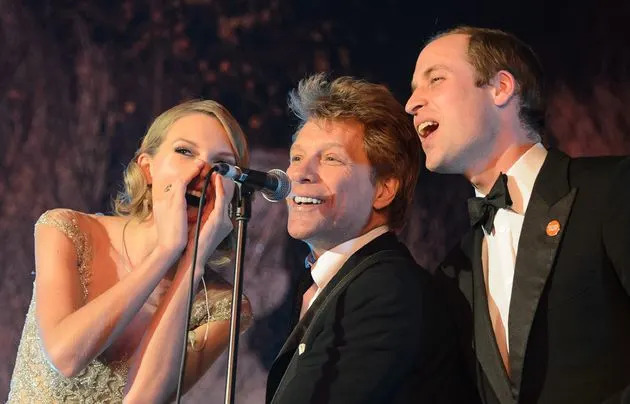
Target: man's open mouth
point(306, 200)
point(426, 128)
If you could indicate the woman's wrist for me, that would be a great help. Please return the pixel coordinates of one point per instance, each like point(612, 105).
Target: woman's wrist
point(164, 256)
point(211, 246)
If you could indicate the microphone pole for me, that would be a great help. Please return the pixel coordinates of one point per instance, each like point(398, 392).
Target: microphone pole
point(243, 214)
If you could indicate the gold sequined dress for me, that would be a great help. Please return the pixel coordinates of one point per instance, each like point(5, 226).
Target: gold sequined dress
point(35, 380)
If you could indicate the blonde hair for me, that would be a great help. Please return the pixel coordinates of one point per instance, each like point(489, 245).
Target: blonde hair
point(135, 199)
point(389, 139)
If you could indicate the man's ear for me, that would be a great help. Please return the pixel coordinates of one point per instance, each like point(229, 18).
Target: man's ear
point(504, 87)
point(144, 162)
point(386, 191)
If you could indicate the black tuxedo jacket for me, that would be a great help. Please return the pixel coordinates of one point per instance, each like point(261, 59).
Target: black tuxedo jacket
point(569, 318)
point(375, 334)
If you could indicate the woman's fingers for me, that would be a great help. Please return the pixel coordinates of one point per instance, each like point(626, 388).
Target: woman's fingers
point(216, 223)
point(165, 184)
point(169, 207)
point(194, 171)
point(220, 200)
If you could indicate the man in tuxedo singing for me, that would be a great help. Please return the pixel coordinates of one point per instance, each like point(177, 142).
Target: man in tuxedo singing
point(367, 326)
point(540, 285)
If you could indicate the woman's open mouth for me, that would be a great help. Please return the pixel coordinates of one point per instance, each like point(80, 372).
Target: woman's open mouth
point(193, 200)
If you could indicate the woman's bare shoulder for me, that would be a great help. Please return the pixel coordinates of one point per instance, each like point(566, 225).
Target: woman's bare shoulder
point(76, 224)
point(106, 221)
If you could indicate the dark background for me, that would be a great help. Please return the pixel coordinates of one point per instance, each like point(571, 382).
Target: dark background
point(81, 80)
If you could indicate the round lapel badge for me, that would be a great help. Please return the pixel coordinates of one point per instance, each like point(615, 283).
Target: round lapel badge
point(553, 228)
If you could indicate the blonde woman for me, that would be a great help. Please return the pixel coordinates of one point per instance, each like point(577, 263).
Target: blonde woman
point(110, 292)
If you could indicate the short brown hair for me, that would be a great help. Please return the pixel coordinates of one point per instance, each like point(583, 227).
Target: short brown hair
point(390, 141)
point(492, 50)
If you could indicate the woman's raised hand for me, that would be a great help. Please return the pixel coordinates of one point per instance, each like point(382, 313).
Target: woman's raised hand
point(169, 207)
point(215, 221)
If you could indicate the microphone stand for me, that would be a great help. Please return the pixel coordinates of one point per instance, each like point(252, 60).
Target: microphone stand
point(243, 214)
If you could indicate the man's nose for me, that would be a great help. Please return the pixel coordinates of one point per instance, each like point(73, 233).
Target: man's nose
point(302, 172)
point(416, 102)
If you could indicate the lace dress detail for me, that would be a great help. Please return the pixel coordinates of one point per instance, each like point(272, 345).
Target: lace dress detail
point(66, 222)
point(220, 304)
point(35, 379)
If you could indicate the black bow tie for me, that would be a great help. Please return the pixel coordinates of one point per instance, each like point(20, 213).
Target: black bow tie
point(482, 210)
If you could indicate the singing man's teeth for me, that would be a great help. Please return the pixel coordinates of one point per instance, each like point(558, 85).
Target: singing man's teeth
point(306, 200)
point(424, 125)
point(195, 193)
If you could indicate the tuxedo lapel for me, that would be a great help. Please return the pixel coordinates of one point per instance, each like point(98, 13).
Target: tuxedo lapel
point(386, 241)
point(297, 327)
point(283, 360)
point(484, 340)
point(290, 345)
point(282, 363)
point(543, 227)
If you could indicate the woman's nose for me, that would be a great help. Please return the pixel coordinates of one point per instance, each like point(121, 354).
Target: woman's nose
point(206, 168)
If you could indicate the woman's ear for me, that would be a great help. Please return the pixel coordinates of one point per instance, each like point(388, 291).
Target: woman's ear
point(144, 162)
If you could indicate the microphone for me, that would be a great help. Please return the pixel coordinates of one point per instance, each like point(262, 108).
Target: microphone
point(275, 184)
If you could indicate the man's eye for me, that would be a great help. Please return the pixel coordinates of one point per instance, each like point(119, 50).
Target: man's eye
point(436, 79)
point(332, 158)
point(295, 159)
point(184, 151)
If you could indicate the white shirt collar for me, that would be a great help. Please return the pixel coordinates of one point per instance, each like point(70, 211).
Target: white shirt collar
point(522, 175)
point(331, 261)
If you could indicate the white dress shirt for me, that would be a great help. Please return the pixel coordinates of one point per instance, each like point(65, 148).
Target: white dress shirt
point(331, 261)
point(502, 244)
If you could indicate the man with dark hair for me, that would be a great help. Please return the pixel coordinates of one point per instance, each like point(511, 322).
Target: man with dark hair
point(540, 285)
point(368, 326)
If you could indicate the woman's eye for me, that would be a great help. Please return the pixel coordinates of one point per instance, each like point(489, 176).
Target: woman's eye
point(184, 151)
